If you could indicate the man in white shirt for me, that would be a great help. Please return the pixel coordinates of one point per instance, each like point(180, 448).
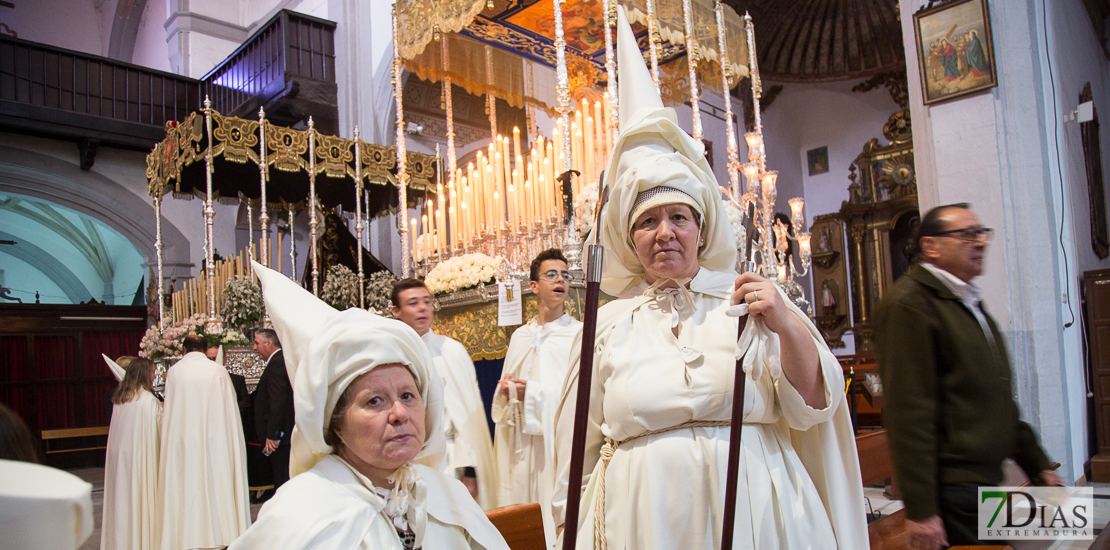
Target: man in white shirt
point(528, 395)
point(469, 447)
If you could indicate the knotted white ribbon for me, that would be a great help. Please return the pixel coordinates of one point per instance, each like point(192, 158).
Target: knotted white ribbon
point(675, 299)
point(758, 345)
point(404, 504)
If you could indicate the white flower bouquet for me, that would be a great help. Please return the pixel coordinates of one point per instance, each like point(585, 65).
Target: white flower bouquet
point(379, 289)
point(736, 221)
point(462, 272)
point(584, 205)
point(340, 288)
point(242, 303)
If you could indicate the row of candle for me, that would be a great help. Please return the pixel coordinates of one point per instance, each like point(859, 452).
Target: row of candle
point(510, 188)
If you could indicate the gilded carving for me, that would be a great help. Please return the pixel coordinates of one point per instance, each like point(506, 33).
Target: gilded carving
point(235, 138)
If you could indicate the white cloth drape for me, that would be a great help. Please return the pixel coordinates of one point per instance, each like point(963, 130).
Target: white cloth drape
point(468, 441)
point(130, 521)
point(202, 499)
point(524, 439)
point(332, 507)
point(43, 507)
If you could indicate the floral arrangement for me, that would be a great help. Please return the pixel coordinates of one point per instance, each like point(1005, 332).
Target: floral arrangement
point(340, 288)
point(584, 206)
point(242, 303)
point(737, 223)
point(229, 338)
point(167, 343)
point(462, 272)
point(379, 289)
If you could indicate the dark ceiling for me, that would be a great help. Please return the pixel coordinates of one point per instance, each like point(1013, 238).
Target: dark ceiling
point(825, 40)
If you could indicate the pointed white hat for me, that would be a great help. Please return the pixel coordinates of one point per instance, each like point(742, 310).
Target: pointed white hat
point(325, 350)
point(113, 366)
point(653, 151)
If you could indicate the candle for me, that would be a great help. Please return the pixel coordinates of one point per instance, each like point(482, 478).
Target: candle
point(796, 218)
point(600, 130)
point(427, 230)
point(412, 233)
point(579, 161)
point(514, 202)
point(548, 186)
point(803, 243)
point(529, 204)
point(551, 169)
point(769, 178)
point(516, 143)
point(511, 199)
point(589, 134)
point(499, 207)
point(557, 137)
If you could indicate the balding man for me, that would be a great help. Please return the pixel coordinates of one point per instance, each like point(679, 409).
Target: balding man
point(950, 412)
point(203, 463)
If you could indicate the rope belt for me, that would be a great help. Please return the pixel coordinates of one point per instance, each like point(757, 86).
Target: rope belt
point(607, 451)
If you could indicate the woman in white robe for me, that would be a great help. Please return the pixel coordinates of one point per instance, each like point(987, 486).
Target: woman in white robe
point(368, 437)
point(130, 519)
point(661, 397)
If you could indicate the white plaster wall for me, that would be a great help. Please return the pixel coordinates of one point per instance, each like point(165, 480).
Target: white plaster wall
point(83, 26)
point(151, 49)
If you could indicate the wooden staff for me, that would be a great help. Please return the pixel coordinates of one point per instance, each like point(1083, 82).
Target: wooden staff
point(595, 262)
point(733, 471)
point(740, 380)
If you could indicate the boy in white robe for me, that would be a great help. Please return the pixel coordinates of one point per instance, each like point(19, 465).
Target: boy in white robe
point(469, 446)
point(528, 394)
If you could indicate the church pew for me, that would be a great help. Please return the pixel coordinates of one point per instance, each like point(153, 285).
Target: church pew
point(521, 525)
point(71, 433)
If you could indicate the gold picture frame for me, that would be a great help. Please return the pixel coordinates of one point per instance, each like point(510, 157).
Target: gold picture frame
point(955, 50)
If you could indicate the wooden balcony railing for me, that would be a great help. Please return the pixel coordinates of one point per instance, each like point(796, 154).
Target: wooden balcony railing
point(52, 91)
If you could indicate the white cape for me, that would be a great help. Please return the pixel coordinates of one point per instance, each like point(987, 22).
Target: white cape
point(203, 500)
point(130, 521)
point(464, 411)
point(43, 507)
point(641, 478)
point(524, 439)
point(330, 508)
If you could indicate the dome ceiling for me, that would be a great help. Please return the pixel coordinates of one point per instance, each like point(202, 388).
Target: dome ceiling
point(825, 40)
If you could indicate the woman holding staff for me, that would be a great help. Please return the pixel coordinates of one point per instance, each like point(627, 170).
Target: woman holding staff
point(658, 427)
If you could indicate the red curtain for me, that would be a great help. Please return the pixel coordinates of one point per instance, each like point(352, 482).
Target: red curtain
point(56, 381)
point(98, 379)
point(14, 386)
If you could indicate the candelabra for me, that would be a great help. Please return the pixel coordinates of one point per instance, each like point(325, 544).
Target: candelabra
point(772, 237)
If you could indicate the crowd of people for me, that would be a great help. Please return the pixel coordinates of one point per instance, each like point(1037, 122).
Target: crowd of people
point(376, 432)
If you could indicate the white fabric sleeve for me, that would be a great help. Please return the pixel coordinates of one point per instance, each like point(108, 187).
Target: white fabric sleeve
point(564, 431)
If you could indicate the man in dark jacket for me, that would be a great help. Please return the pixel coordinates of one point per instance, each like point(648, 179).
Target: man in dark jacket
point(950, 414)
point(273, 405)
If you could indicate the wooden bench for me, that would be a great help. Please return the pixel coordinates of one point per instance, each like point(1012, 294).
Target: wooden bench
point(521, 525)
point(70, 433)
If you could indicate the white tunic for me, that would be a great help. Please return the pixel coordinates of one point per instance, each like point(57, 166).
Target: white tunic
point(130, 521)
point(468, 440)
point(43, 507)
point(333, 507)
point(666, 490)
point(524, 436)
point(202, 496)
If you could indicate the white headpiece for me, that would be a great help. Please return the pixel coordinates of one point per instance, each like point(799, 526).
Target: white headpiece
point(113, 366)
point(653, 151)
point(325, 350)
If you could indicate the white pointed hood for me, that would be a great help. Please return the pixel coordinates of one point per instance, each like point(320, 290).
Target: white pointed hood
point(325, 350)
point(113, 366)
point(652, 151)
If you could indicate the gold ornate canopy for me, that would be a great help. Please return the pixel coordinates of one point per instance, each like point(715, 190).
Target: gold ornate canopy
point(177, 165)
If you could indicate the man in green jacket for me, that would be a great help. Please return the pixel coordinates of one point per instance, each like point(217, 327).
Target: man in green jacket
point(950, 413)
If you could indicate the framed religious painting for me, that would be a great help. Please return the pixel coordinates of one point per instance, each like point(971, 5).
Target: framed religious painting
point(955, 53)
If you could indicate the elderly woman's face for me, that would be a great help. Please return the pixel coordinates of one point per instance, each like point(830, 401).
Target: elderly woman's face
point(666, 241)
point(383, 427)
